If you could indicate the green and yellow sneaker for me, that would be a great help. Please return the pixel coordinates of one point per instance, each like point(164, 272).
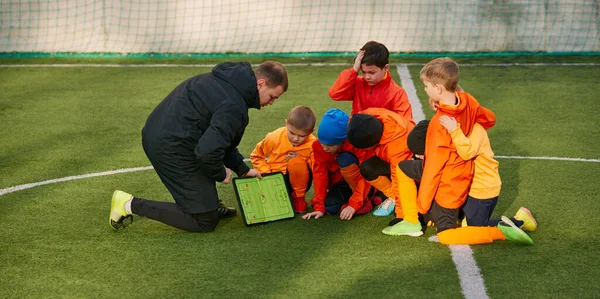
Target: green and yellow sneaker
point(529, 223)
point(513, 233)
point(404, 228)
point(117, 209)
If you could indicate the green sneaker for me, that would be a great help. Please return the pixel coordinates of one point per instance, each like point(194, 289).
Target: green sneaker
point(117, 209)
point(513, 233)
point(404, 228)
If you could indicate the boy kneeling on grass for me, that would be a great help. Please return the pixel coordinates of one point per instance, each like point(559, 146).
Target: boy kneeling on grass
point(385, 132)
point(447, 174)
point(484, 190)
point(289, 150)
point(338, 185)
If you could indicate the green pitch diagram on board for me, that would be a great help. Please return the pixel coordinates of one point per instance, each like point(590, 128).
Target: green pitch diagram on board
point(263, 200)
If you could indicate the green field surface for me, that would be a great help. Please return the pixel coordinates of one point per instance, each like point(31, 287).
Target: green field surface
point(67, 121)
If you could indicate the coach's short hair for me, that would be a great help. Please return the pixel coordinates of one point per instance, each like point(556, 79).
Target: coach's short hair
point(274, 73)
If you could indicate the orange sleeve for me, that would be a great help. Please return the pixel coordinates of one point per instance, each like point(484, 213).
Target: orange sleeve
point(320, 177)
point(485, 117)
point(358, 195)
point(436, 157)
point(362, 154)
point(343, 88)
point(468, 148)
point(265, 147)
point(362, 186)
point(311, 157)
point(401, 105)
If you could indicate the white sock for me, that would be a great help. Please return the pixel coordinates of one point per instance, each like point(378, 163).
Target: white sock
point(128, 206)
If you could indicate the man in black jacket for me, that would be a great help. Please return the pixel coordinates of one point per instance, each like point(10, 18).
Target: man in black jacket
point(191, 139)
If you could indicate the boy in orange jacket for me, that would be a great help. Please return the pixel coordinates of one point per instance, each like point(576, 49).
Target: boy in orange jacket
point(446, 177)
point(338, 184)
point(375, 88)
point(289, 150)
point(483, 192)
point(385, 132)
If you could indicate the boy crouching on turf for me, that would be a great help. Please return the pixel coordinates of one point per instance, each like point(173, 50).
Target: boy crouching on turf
point(484, 190)
point(446, 178)
point(289, 150)
point(338, 185)
point(386, 133)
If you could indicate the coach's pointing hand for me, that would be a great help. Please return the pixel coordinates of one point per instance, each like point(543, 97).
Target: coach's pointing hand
point(253, 173)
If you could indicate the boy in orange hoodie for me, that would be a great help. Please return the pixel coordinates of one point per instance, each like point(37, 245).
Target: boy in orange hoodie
point(385, 132)
point(289, 150)
point(446, 177)
point(375, 88)
point(484, 190)
point(338, 184)
point(485, 187)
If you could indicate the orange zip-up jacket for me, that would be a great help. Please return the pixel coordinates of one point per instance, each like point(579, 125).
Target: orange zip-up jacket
point(349, 86)
point(486, 179)
point(446, 176)
point(392, 147)
point(326, 172)
point(269, 155)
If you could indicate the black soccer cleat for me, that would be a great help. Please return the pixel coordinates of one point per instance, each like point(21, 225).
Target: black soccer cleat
point(224, 211)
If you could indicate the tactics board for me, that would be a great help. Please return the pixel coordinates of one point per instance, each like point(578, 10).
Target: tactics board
point(263, 200)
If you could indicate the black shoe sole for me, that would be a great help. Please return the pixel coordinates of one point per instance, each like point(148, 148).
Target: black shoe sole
point(226, 212)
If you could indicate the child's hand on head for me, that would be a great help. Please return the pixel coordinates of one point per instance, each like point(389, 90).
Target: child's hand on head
point(358, 60)
point(449, 123)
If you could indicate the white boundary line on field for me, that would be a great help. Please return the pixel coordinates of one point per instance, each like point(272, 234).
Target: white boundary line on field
point(471, 281)
point(411, 92)
point(71, 178)
point(125, 170)
point(100, 65)
point(549, 158)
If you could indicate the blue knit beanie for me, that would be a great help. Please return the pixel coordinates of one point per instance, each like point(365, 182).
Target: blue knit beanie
point(332, 129)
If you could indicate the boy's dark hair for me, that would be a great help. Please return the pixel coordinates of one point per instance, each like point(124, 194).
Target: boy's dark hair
point(364, 131)
point(417, 137)
point(442, 71)
point(302, 118)
point(375, 54)
point(274, 73)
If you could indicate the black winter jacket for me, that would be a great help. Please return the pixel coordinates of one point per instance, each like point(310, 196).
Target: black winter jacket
point(203, 120)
